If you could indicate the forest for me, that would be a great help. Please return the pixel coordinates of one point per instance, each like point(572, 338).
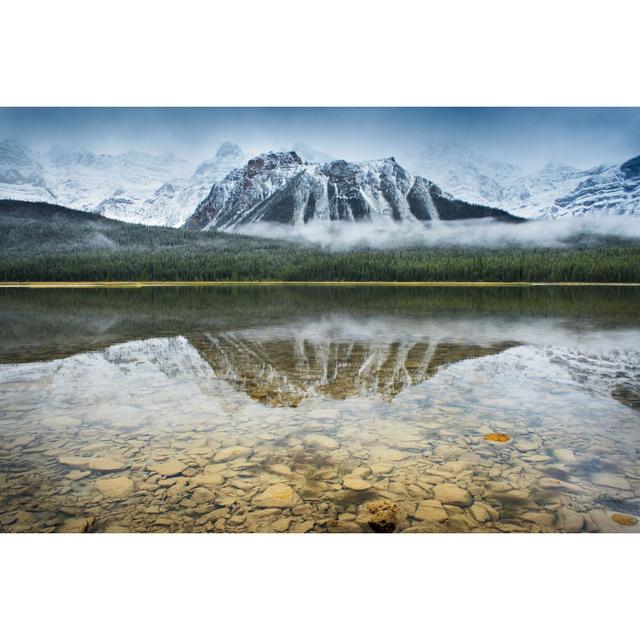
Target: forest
point(42, 242)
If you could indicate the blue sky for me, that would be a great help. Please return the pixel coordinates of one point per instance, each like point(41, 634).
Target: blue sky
point(530, 136)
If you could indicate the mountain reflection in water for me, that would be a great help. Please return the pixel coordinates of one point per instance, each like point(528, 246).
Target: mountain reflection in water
point(319, 408)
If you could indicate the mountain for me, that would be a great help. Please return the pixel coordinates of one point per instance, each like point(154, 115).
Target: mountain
point(280, 187)
point(21, 175)
point(606, 190)
point(174, 203)
point(132, 187)
point(556, 190)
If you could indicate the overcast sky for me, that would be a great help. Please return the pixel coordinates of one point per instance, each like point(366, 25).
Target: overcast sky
point(583, 137)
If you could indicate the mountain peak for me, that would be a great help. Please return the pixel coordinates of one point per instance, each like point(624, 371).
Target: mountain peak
point(228, 149)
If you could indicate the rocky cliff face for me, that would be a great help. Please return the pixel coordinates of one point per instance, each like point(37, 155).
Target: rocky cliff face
point(279, 187)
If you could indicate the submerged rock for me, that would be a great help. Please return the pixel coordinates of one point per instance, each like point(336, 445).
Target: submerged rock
point(383, 516)
point(320, 441)
point(230, 453)
point(277, 495)
point(168, 468)
point(117, 487)
point(448, 493)
point(611, 480)
point(431, 510)
point(77, 525)
point(624, 520)
point(355, 483)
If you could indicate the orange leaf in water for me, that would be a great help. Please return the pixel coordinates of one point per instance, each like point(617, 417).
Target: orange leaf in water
point(627, 521)
point(497, 437)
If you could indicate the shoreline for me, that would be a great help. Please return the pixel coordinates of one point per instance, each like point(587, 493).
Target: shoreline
point(133, 284)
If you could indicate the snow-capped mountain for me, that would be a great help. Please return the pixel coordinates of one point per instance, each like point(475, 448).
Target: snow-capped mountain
point(556, 190)
point(174, 202)
point(133, 187)
point(280, 187)
point(606, 190)
point(474, 178)
point(21, 175)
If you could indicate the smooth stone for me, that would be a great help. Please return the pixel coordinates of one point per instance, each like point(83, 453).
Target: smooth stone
point(448, 493)
point(77, 474)
point(277, 495)
point(541, 518)
point(566, 456)
point(570, 521)
point(481, 512)
point(77, 525)
point(355, 483)
point(281, 525)
point(611, 480)
point(320, 441)
point(230, 453)
point(549, 482)
point(381, 467)
point(78, 462)
point(280, 469)
point(202, 495)
point(117, 487)
point(303, 527)
point(107, 464)
point(207, 479)
point(168, 468)
point(431, 510)
point(524, 446)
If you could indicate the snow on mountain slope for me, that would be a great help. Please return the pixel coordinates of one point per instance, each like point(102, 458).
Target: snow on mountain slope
point(243, 189)
point(471, 177)
point(606, 190)
point(277, 187)
point(174, 202)
point(555, 191)
point(21, 176)
point(133, 187)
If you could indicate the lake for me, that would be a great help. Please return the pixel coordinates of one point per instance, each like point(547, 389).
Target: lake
point(320, 409)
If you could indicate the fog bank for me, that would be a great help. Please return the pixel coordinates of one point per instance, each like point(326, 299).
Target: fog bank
point(384, 234)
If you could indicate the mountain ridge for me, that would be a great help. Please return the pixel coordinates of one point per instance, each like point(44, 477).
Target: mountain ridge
point(278, 187)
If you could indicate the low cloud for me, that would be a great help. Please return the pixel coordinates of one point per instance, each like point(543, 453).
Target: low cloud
point(341, 236)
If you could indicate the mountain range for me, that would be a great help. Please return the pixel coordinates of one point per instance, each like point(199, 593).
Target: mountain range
point(555, 191)
point(300, 184)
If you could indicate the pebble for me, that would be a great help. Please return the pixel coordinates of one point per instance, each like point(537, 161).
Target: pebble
point(566, 456)
point(230, 453)
point(277, 495)
point(303, 527)
point(76, 525)
point(320, 441)
point(448, 493)
point(431, 510)
point(355, 483)
point(610, 480)
point(76, 474)
point(569, 521)
point(118, 487)
point(168, 468)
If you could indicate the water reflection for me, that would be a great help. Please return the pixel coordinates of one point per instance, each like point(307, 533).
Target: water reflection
point(337, 409)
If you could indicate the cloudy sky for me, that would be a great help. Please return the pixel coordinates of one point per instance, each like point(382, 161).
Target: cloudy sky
point(583, 137)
